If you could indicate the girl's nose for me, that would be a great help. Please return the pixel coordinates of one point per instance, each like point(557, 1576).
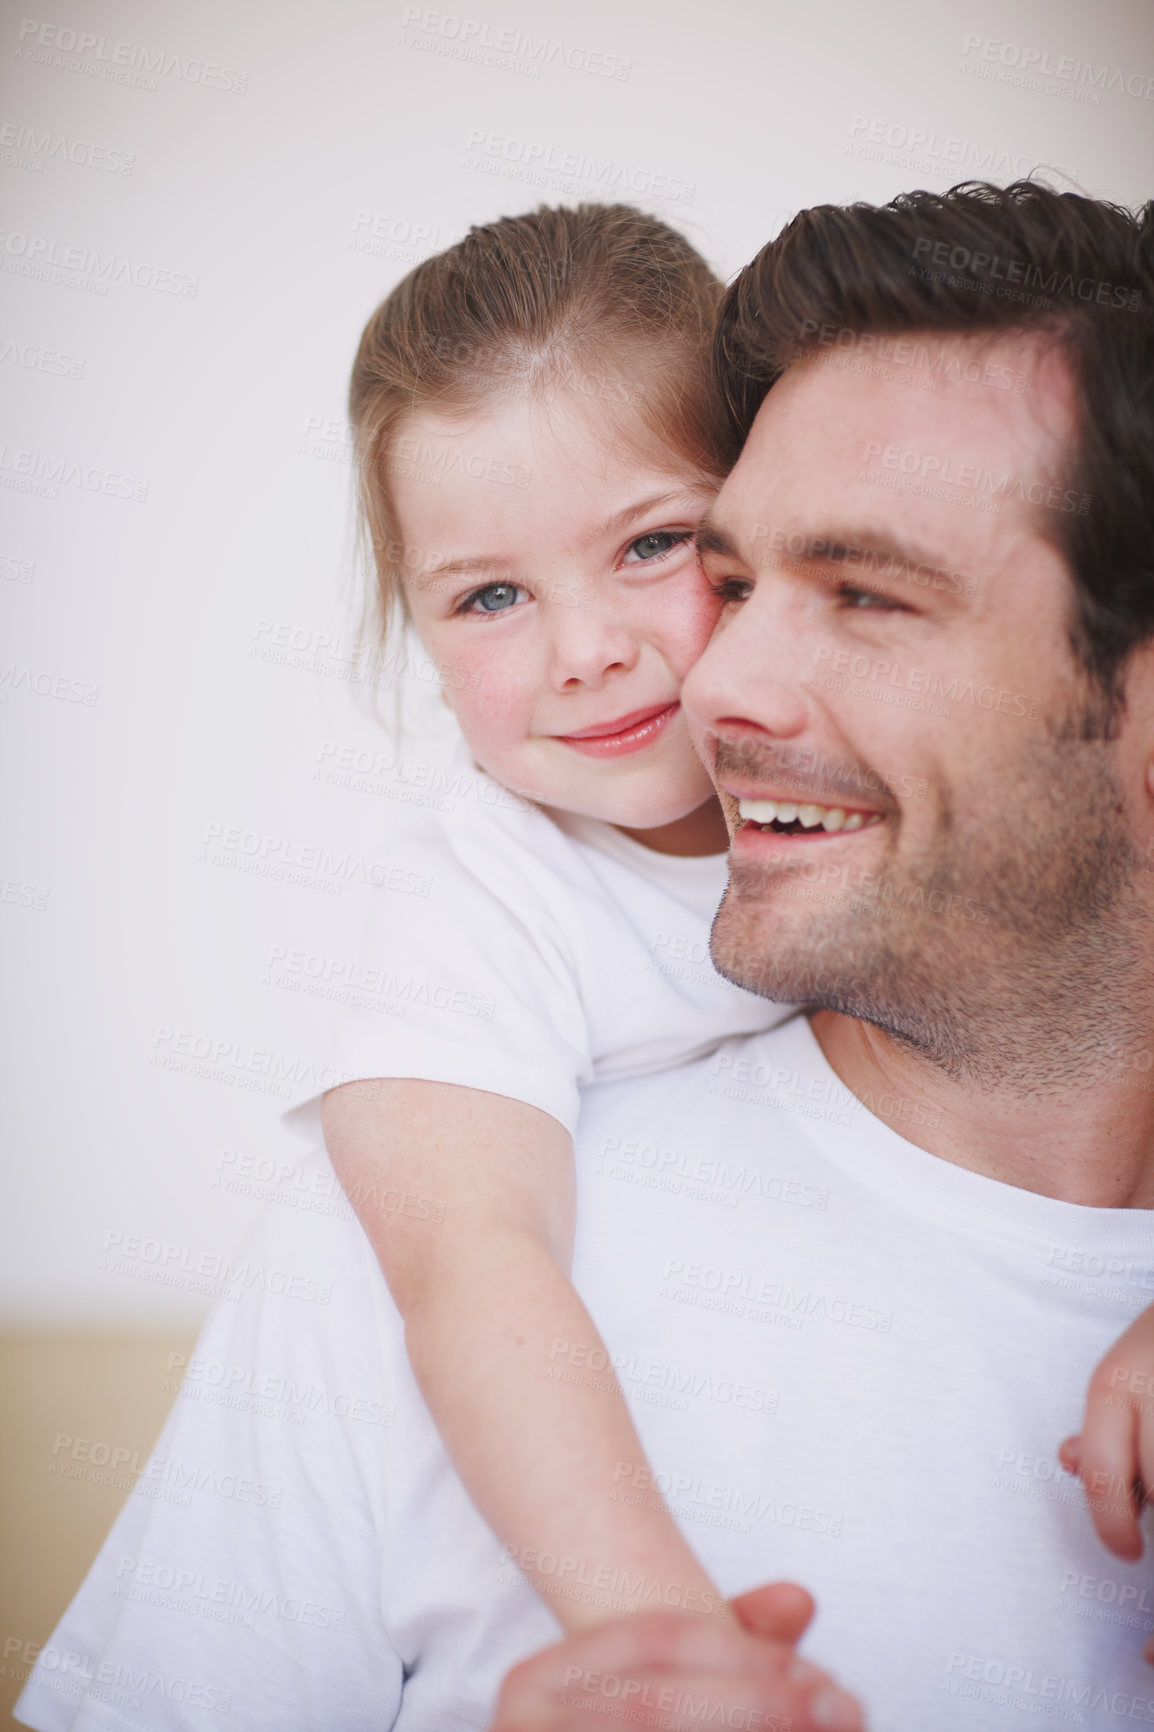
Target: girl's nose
point(588, 644)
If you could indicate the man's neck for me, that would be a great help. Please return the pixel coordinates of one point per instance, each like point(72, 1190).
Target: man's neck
point(1089, 1142)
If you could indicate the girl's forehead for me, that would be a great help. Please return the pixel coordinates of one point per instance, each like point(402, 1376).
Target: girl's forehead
point(549, 433)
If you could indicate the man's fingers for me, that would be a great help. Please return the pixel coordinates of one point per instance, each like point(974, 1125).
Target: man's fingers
point(653, 1642)
point(1070, 1454)
point(781, 1611)
point(612, 1663)
point(1110, 1466)
point(682, 1701)
point(1145, 1459)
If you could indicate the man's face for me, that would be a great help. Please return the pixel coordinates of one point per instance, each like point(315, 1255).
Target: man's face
point(947, 850)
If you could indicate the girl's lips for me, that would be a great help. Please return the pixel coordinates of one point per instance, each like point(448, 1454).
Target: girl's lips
point(626, 734)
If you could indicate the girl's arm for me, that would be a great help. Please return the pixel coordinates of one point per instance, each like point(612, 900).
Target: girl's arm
point(468, 1200)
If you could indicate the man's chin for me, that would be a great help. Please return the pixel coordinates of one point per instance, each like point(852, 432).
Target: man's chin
point(756, 950)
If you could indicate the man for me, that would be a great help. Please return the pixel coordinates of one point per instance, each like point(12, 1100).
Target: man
point(937, 553)
point(854, 1273)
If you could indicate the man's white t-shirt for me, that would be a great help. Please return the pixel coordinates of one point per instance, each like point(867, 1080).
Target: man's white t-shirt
point(850, 1363)
point(537, 953)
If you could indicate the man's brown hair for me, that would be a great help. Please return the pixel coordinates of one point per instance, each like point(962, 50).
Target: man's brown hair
point(981, 258)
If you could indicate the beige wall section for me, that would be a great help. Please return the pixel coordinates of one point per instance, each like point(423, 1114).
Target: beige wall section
point(78, 1417)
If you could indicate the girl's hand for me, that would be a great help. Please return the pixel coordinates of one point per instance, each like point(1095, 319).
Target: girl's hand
point(1114, 1454)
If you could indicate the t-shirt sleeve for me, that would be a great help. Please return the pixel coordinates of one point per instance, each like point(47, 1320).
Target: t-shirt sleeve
point(473, 979)
point(241, 1583)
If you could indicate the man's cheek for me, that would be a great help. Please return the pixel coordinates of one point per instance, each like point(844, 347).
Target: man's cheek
point(705, 746)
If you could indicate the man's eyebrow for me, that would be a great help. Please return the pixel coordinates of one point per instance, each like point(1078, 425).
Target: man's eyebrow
point(860, 547)
point(711, 538)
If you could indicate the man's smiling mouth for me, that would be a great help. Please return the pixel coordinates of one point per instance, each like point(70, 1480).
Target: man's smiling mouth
point(794, 818)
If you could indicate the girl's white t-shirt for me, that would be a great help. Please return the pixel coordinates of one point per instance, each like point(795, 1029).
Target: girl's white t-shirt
point(535, 953)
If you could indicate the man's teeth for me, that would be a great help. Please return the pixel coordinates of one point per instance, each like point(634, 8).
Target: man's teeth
point(810, 817)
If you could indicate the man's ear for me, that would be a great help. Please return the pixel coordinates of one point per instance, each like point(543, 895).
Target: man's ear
point(1138, 689)
point(1138, 738)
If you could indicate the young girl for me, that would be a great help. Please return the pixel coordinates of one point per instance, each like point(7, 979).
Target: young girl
point(538, 438)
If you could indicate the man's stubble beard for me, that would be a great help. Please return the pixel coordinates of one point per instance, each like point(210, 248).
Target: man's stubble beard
point(1053, 982)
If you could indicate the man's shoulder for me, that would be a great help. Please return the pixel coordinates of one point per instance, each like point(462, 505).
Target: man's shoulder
point(305, 1252)
point(263, 1512)
point(303, 1318)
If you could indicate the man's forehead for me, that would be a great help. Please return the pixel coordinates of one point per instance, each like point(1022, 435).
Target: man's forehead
point(985, 384)
point(960, 439)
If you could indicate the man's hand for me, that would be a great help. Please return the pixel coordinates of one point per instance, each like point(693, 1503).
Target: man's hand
point(669, 1673)
point(1114, 1455)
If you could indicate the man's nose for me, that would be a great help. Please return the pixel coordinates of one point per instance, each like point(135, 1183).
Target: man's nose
point(588, 642)
point(751, 675)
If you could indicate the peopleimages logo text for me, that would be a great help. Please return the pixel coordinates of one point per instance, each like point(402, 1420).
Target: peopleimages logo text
point(1029, 62)
point(117, 60)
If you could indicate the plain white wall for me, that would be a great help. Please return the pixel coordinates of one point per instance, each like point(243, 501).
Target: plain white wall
point(203, 204)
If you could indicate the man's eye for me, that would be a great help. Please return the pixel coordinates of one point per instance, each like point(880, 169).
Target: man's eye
point(850, 596)
point(732, 589)
point(492, 598)
point(655, 545)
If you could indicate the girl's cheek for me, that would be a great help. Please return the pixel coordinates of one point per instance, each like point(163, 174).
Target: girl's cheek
point(484, 679)
point(463, 661)
point(464, 672)
point(690, 625)
point(492, 712)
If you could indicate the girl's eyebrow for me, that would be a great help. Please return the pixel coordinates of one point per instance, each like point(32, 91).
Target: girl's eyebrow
point(621, 519)
point(467, 567)
point(611, 526)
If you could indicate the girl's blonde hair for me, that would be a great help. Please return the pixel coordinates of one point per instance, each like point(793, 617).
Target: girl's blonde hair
point(600, 299)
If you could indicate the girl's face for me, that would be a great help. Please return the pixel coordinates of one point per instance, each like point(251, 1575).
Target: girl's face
point(550, 572)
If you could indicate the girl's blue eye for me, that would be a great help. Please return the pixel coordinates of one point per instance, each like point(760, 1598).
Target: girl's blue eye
point(493, 598)
point(657, 544)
